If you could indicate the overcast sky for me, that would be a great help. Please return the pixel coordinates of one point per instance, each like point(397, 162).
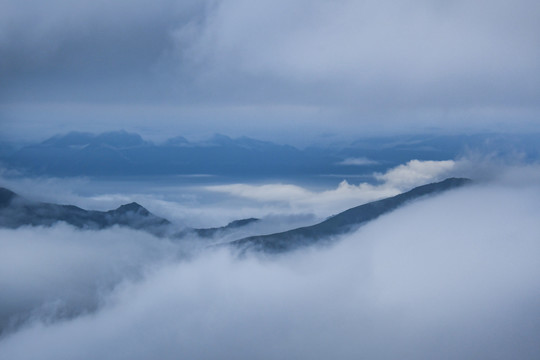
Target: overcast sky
point(310, 67)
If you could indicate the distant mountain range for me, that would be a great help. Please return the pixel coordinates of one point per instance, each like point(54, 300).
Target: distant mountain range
point(16, 211)
point(121, 153)
point(126, 154)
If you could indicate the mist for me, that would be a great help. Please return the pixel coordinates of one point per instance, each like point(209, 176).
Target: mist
point(62, 271)
point(281, 205)
point(450, 276)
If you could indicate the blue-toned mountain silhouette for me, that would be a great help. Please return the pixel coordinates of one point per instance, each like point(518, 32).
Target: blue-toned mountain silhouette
point(216, 231)
point(126, 154)
point(343, 222)
point(16, 211)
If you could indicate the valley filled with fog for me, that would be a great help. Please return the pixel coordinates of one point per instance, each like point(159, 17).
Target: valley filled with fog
point(450, 275)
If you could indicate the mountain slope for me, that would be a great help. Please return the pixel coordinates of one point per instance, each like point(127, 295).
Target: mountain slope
point(217, 231)
point(16, 211)
point(342, 222)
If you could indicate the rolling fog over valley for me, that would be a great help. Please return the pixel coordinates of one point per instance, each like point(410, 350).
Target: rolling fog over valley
point(75, 293)
point(415, 275)
point(270, 179)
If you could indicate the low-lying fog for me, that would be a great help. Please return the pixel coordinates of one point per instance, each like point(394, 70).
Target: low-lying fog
point(450, 276)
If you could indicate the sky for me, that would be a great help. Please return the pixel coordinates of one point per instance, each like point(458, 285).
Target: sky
point(272, 69)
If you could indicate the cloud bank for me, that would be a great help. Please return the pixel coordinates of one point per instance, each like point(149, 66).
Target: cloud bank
point(326, 202)
point(452, 276)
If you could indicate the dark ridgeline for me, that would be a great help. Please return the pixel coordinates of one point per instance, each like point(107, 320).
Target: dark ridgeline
point(236, 224)
point(343, 222)
point(16, 211)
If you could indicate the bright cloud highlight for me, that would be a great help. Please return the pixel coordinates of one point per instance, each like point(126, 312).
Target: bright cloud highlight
point(324, 203)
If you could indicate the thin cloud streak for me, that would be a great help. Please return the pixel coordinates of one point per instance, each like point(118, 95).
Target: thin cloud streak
point(362, 161)
point(325, 203)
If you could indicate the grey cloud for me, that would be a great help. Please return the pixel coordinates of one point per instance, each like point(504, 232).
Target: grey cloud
point(351, 59)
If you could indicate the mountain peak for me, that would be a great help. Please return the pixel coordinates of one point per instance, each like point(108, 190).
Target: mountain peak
point(132, 207)
point(177, 141)
point(117, 139)
point(220, 139)
point(6, 196)
point(74, 138)
point(14, 214)
point(241, 222)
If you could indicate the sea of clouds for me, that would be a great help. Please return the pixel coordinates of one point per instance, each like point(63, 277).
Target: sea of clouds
point(450, 276)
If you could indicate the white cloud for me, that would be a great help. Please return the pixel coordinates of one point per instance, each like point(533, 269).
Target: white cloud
point(361, 161)
point(327, 202)
point(416, 172)
point(268, 192)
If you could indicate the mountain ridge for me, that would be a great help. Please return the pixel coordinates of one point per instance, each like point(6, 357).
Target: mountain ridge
point(343, 222)
point(17, 211)
point(122, 153)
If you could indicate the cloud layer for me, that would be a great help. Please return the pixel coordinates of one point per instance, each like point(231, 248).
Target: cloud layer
point(239, 67)
point(327, 202)
point(454, 276)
